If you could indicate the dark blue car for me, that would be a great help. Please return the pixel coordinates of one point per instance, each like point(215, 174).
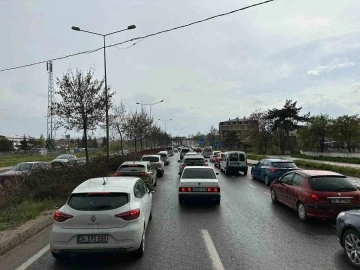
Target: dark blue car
point(348, 231)
point(268, 170)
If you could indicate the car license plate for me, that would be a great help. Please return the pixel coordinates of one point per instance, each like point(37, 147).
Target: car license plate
point(200, 189)
point(92, 238)
point(340, 201)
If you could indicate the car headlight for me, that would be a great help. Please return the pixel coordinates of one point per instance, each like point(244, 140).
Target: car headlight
point(340, 215)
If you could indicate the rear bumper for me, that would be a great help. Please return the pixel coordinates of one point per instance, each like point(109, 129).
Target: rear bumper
point(197, 196)
point(238, 168)
point(328, 211)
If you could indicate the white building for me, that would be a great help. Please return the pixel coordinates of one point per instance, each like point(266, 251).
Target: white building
point(16, 139)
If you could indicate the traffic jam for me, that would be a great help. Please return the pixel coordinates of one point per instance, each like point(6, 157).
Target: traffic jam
point(106, 215)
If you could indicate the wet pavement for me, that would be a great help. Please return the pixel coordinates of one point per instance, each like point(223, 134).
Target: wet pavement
point(247, 231)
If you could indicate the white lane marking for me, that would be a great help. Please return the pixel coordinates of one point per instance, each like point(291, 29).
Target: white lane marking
point(267, 193)
point(252, 186)
point(214, 256)
point(34, 258)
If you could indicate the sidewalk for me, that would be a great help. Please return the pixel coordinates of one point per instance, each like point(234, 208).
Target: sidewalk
point(356, 180)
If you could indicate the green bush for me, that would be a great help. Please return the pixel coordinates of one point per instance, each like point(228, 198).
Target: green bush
point(255, 156)
point(346, 170)
point(333, 159)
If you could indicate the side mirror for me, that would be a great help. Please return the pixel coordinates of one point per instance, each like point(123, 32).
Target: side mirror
point(217, 173)
point(179, 160)
point(179, 173)
point(206, 160)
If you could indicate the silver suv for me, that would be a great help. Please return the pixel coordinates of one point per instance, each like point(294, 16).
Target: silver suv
point(156, 161)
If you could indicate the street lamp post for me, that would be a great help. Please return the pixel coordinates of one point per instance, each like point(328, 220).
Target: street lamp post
point(150, 104)
point(165, 122)
point(106, 89)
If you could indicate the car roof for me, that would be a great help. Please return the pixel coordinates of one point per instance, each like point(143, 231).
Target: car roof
point(311, 173)
point(31, 162)
point(199, 167)
point(278, 160)
point(113, 184)
point(229, 152)
point(185, 148)
point(162, 152)
point(193, 157)
point(136, 162)
point(151, 155)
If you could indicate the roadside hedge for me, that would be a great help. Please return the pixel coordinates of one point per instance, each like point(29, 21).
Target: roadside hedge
point(333, 159)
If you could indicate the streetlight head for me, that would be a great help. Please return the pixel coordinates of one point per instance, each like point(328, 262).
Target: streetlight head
point(170, 119)
point(75, 28)
point(131, 27)
point(137, 103)
point(162, 100)
point(159, 119)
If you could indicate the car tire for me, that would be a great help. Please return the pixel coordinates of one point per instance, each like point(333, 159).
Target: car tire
point(58, 256)
point(354, 235)
point(266, 180)
point(140, 251)
point(253, 175)
point(245, 173)
point(226, 171)
point(150, 217)
point(273, 196)
point(302, 211)
point(155, 183)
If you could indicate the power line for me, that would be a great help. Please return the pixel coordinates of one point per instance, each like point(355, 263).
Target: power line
point(140, 38)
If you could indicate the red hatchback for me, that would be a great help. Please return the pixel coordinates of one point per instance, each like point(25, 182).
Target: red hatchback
point(316, 194)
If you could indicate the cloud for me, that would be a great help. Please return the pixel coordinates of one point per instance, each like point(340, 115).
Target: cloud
point(338, 64)
point(309, 22)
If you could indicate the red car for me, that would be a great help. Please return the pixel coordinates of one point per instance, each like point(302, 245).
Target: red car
point(316, 194)
point(217, 160)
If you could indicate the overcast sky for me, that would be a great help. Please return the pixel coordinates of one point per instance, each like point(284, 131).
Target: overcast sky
point(303, 50)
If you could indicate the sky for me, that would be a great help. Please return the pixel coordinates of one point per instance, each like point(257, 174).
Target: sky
point(304, 50)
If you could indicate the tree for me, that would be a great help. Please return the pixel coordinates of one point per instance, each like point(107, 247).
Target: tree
point(287, 118)
point(24, 144)
point(95, 143)
point(118, 121)
point(231, 140)
point(78, 143)
point(315, 132)
point(262, 134)
point(346, 129)
point(82, 104)
point(42, 141)
point(212, 135)
point(5, 144)
point(50, 144)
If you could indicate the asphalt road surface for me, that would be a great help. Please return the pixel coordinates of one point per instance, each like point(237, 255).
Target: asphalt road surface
point(246, 231)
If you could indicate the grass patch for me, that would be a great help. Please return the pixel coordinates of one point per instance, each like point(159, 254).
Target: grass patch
point(346, 170)
point(333, 159)
point(256, 156)
point(26, 210)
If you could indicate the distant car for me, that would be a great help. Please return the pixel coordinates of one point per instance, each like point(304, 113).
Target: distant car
point(141, 169)
point(348, 234)
point(213, 155)
point(199, 182)
point(191, 160)
point(170, 150)
point(165, 157)
point(207, 152)
point(120, 153)
point(315, 193)
point(156, 161)
point(233, 162)
point(192, 154)
point(64, 160)
point(183, 152)
point(24, 168)
point(268, 170)
point(103, 215)
point(217, 159)
point(176, 150)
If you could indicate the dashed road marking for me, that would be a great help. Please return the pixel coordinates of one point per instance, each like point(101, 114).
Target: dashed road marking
point(267, 193)
point(214, 256)
point(252, 186)
point(34, 258)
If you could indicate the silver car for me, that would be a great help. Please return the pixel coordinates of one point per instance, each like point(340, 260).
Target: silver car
point(192, 160)
point(156, 161)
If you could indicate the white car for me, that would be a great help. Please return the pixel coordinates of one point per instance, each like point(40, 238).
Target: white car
point(107, 215)
point(214, 155)
point(198, 182)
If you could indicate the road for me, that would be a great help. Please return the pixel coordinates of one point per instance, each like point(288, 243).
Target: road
point(246, 231)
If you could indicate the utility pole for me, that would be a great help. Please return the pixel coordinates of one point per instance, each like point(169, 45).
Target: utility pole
point(49, 130)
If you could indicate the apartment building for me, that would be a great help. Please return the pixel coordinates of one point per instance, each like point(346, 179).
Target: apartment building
point(239, 125)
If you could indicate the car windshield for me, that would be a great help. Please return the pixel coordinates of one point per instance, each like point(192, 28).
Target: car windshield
point(22, 167)
point(283, 165)
point(331, 184)
point(63, 157)
point(97, 201)
point(132, 168)
point(151, 159)
point(199, 173)
point(194, 161)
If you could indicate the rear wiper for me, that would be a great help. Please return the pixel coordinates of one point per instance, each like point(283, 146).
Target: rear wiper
point(346, 188)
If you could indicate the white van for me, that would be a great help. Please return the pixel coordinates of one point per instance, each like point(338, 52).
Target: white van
point(170, 150)
point(233, 162)
point(207, 152)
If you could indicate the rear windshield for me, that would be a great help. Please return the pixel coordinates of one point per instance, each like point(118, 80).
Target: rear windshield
point(22, 167)
point(207, 150)
point(198, 173)
point(234, 157)
point(97, 201)
point(185, 150)
point(194, 161)
point(169, 148)
point(284, 165)
point(132, 168)
point(151, 159)
point(63, 157)
point(163, 155)
point(331, 184)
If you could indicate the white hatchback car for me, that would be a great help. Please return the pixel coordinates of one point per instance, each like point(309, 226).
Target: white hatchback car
point(108, 215)
point(199, 182)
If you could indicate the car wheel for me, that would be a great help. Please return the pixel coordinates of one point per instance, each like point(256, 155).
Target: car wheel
point(226, 171)
point(245, 173)
point(58, 256)
point(252, 175)
point(266, 180)
point(150, 217)
point(350, 241)
point(140, 251)
point(155, 183)
point(273, 196)
point(302, 211)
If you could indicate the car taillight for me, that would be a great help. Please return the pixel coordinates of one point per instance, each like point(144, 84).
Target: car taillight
point(183, 165)
point(143, 174)
point(213, 189)
point(129, 215)
point(273, 170)
point(61, 217)
point(185, 189)
point(117, 173)
point(314, 197)
point(205, 164)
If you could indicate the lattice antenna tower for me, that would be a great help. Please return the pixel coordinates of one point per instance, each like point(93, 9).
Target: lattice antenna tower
point(50, 124)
